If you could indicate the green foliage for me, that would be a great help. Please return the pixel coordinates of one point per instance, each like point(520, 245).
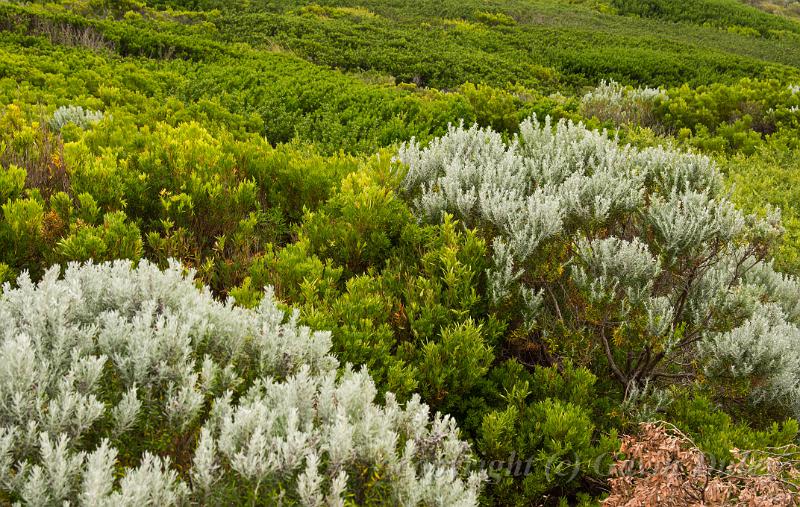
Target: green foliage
point(359, 226)
point(12, 182)
point(550, 44)
point(400, 298)
point(716, 433)
point(494, 18)
point(164, 192)
point(277, 94)
point(734, 118)
point(495, 108)
point(452, 367)
point(732, 15)
point(23, 221)
point(114, 239)
point(544, 440)
point(768, 179)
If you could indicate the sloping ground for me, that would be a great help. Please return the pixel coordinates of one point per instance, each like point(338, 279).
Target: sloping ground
point(788, 8)
point(579, 42)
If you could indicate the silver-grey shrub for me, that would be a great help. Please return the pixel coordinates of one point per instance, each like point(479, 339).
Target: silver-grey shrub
point(81, 117)
point(634, 257)
point(132, 386)
point(611, 101)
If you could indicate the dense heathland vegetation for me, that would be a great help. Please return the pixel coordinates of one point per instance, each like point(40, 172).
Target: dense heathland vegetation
point(506, 233)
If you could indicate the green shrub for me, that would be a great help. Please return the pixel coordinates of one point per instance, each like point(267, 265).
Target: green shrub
point(114, 239)
point(725, 14)
point(716, 433)
point(765, 180)
point(734, 118)
point(544, 441)
point(494, 18)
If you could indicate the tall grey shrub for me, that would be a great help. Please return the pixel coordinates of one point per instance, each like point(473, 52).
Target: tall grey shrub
point(636, 258)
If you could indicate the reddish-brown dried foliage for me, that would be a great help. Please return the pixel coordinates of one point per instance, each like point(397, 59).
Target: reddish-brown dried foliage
point(662, 467)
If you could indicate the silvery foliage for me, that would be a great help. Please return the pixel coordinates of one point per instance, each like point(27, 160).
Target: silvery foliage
point(550, 182)
point(649, 238)
point(622, 105)
point(612, 265)
point(794, 90)
point(81, 117)
point(765, 347)
point(89, 361)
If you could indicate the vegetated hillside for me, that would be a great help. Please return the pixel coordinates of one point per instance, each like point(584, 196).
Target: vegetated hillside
point(429, 187)
point(788, 8)
point(524, 42)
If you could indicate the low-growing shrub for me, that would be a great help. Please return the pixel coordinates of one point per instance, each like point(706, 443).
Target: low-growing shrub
point(131, 386)
point(731, 118)
point(717, 433)
point(610, 101)
point(543, 440)
point(81, 117)
point(768, 178)
point(35, 149)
